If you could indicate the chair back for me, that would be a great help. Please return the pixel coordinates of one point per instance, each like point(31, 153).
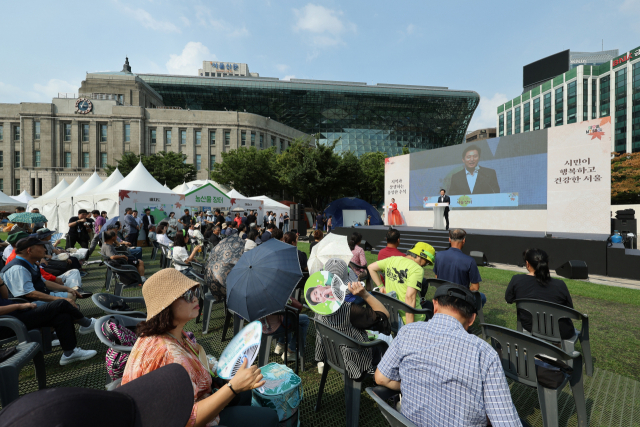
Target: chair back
point(394, 418)
point(126, 321)
point(545, 316)
point(517, 353)
point(394, 306)
point(113, 304)
point(436, 283)
point(332, 340)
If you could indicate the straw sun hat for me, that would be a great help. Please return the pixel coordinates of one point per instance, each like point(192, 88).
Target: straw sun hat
point(163, 288)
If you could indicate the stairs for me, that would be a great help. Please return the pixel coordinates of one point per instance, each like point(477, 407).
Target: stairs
point(438, 239)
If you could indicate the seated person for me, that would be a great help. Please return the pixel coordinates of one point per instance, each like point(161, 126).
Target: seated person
point(359, 257)
point(278, 324)
point(172, 301)
point(403, 275)
point(250, 243)
point(291, 238)
point(56, 267)
point(455, 266)
point(266, 235)
point(134, 251)
point(60, 315)
point(109, 251)
point(152, 234)
point(180, 241)
point(538, 284)
point(354, 320)
point(242, 231)
point(22, 276)
point(162, 237)
point(277, 234)
point(314, 239)
point(438, 365)
point(232, 228)
point(214, 237)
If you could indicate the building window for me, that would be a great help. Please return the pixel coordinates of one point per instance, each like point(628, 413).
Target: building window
point(85, 132)
point(127, 132)
point(103, 160)
point(261, 140)
point(16, 133)
point(198, 137)
point(281, 144)
point(536, 114)
point(153, 135)
point(36, 158)
point(559, 107)
point(572, 102)
point(17, 187)
point(103, 133)
point(212, 137)
point(227, 137)
point(594, 98)
point(585, 99)
point(183, 137)
point(621, 110)
point(66, 129)
point(67, 159)
point(527, 117)
point(1, 159)
point(635, 127)
point(253, 139)
point(547, 110)
point(212, 161)
point(36, 132)
point(2, 185)
point(16, 159)
point(167, 137)
point(509, 120)
point(243, 138)
point(501, 125)
point(198, 162)
point(605, 96)
point(516, 123)
point(273, 141)
point(85, 160)
point(39, 186)
point(1, 132)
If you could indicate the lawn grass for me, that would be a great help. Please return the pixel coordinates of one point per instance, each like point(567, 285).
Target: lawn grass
point(613, 313)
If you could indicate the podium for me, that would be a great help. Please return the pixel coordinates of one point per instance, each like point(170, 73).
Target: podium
point(438, 214)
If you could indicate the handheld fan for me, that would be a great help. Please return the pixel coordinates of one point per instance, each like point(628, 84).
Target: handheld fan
point(324, 292)
point(243, 346)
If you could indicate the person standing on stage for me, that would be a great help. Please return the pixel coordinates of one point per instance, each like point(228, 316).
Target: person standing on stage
point(445, 199)
point(394, 216)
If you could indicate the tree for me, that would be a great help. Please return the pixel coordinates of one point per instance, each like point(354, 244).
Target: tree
point(247, 170)
point(625, 179)
point(372, 176)
point(166, 167)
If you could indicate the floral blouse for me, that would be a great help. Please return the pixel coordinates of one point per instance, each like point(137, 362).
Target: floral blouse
point(358, 258)
point(151, 353)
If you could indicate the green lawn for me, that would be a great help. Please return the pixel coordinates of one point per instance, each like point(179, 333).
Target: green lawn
point(613, 313)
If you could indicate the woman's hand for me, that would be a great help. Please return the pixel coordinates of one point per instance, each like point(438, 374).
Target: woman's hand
point(357, 289)
point(247, 378)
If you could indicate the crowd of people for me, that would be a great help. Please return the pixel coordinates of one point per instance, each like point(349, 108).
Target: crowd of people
point(417, 363)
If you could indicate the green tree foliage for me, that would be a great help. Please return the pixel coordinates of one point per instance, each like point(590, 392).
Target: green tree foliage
point(625, 179)
point(165, 167)
point(247, 170)
point(372, 178)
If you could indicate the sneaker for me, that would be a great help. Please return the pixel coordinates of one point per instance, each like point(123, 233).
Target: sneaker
point(84, 330)
point(279, 348)
point(77, 355)
point(55, 343)
point(291, 356)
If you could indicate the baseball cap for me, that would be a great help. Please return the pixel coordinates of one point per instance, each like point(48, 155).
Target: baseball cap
point(163, 397)
point(424, 250)
point(13, 238)
point(27, 242)
point(42, 233)
point(457, 291)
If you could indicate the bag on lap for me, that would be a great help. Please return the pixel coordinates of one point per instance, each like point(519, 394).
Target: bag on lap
point(282, 393)
point(119, 335)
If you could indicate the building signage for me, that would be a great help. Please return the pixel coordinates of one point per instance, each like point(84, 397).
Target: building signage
point(223, 66)
point(578, 61)
point(622, 59)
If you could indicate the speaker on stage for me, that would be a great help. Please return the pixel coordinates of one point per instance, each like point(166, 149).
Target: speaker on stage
point(480, 257)
point(573, 269)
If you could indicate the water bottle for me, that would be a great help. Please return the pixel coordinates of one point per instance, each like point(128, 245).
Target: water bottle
point(616, 238)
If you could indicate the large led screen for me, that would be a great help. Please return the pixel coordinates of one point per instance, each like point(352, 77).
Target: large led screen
point(499, 173)
point(546, 68)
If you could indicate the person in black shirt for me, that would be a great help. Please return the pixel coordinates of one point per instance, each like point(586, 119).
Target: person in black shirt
point(251, 219)
point(78, 232)
point(538, 284)
point(218, 218)
point(214, 238)
point(186, 219)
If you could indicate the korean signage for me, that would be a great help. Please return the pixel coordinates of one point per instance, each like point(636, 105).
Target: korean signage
point(622, 59)
point(396, 187)
point(224, 66)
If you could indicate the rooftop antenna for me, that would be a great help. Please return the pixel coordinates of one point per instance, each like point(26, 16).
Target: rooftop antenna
point(603, 45)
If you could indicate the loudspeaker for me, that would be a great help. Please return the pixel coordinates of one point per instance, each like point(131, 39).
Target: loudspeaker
point(302, 224)
point(480, 257)
point(573, 269)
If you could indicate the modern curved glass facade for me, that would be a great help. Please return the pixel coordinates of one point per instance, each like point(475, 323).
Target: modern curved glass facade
point(364, 117)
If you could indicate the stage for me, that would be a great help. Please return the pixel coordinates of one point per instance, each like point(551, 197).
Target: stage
point(506, 247)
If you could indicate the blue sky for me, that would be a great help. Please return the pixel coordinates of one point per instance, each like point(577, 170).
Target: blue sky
point(477, 45)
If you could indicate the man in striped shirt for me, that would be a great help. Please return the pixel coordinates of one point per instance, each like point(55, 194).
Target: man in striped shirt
point(447, 376)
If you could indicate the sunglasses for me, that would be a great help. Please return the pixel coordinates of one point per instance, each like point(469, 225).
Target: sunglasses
point(191, 293)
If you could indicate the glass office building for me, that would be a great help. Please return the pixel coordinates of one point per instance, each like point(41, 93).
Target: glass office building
point(382, 117)
point(583, 93)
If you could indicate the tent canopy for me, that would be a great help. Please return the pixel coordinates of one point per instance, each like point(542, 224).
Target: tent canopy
point(272, 205)
point(336, 207)
point(71, 189)
point(89, 185)
point(139, 179)
point(201, 182)
point(10, 201)
point(236, 194)
point(23, 197)
point(113, 179)
point(182, 189)
point(58, 189)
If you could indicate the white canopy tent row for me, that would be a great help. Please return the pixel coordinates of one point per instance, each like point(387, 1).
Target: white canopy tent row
point(50, 210)
point(183, 188)
point(23, 197)
point(272, 205)
point(9, 201)
point(68, 205)
point(201, 182)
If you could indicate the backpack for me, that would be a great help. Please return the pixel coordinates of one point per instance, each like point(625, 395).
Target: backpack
point(119, 335)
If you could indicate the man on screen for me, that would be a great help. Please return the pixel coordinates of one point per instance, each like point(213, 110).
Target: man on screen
point(473, 179)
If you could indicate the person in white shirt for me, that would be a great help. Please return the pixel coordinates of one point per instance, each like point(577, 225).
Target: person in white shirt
point(180, 253)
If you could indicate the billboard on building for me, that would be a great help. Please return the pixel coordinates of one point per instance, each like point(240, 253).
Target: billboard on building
point(546, 68)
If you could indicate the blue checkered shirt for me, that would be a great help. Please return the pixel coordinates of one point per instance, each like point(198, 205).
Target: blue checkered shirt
point(448, 376)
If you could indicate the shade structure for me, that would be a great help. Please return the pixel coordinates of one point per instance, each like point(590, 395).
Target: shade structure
point(9, 201)
point(263, 279)
point(113, 179)
point(58, 189)
point(331, 246)
point(272, 205)
point(337, 207)
point(201, 182)
point(235, 194)
point(23, 197)
point(181, 189)
point(77, 183)
point(68, 205)
point(49, 206)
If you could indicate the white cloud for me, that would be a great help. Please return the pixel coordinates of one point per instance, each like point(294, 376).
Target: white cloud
point(282, 67)
point(149, 22)
point(206, 18)
point(39, 92)
point(289, 77)
point(185, 21)
point(190, 60)
point(53, 87)
point(325, 26)
point(486, 113)
point(410, 29)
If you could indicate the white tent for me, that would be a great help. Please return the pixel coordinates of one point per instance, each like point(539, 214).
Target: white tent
point(272, 205)
point(49, 206)
point(71, 188)
point(233, 193)
point(165, 186)
point(9, 201)
point(23, 197)
point(58, 189)
point(139, 179)
point(182, 189)
point(48, 200)
point(201, 182)
point(68, 205)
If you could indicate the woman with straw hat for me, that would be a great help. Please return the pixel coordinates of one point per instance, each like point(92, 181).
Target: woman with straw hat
point(172, 301)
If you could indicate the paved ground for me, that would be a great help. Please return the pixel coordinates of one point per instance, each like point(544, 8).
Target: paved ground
point(612, 400)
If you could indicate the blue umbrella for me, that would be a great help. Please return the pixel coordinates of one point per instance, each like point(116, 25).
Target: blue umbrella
point(110, 221)
point(263, 279)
